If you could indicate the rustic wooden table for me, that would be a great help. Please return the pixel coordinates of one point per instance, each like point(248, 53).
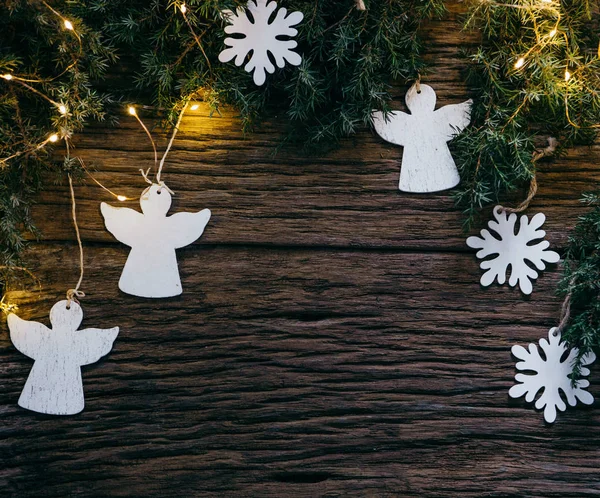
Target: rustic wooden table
point(332, 338)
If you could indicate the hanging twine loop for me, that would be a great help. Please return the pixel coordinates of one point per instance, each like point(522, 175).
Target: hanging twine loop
point(75, 294)
point(360, 5)
point(565, 311)
point(161, 184)
point(533, 186)
point(170, 144)
point(418, 83)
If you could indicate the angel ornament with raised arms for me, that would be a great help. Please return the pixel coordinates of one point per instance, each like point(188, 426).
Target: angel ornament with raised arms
point(427, 165)
point(54, 385)
point(151, 267)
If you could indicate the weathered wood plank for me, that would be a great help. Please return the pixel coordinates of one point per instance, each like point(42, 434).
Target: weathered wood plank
point(348, 198)
point(263, 194)
point(332, 338)
point(296, 372)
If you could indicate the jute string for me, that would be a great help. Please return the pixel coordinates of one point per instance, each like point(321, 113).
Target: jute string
point(565, 311)
point(170, 144)
point(145, 174)
point(533, 186)
point(75, 294)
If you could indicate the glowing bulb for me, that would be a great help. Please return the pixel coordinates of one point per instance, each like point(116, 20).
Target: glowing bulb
point(7, 307)
point(131, 110)
point(121, 198)
point(53, 138)
point(62, 109)
point(567, 75)
point(194, 107)
point(183, 8)
point(68, 25)
point(520, 63)
point(7, 77)
point(552, 33)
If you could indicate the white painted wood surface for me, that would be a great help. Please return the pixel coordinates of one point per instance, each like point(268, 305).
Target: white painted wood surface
point(54, 385)
point(151, 269)
point(550, 375)
point(427, 165)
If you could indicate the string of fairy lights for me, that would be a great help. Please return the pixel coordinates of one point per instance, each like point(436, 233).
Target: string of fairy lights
point(545, 36)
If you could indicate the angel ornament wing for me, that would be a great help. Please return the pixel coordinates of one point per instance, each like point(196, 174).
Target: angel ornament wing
point(427, 165)
point(151, 268)
point(54, 385)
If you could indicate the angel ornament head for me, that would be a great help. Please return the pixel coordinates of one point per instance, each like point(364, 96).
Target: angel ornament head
point(54, 385)
point(151, 268)
point(427, 165)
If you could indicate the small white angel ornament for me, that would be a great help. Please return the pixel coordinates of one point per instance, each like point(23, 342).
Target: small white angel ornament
point(54, 385)
point(151, 268)
point(427, 165)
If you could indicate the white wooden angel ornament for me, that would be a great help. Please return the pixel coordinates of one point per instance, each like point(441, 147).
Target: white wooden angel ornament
point(151, 268)
point(54, 385)
point(427, 165)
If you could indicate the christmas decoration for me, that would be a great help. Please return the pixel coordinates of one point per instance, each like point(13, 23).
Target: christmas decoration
point(49, 56)
point(261, 38)
point(54, 385)
point(552, 374)
point(427, 165)
point(151, 268)
point(349, 58)
point(513, 249)
point(580, 285)
point(534, 76)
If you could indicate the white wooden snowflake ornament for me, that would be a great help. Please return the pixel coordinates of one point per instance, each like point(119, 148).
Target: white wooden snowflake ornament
point(513, 249)
point(54, 385)
point(551, 375)
point(151, 268)
point(261, 38)
point(427, 165)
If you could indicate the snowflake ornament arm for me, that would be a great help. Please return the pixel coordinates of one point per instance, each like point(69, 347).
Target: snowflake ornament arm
point(261, 38)
point(513, 250)
point(552, 375)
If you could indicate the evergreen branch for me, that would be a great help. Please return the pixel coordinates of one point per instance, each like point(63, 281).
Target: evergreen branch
point(535, 75)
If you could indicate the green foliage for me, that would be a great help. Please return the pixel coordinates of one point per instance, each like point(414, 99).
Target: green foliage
point(36, 47)
point(515, 108)
point(581, 280)
point(349, 59)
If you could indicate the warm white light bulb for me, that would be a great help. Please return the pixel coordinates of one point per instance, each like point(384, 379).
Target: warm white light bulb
point(567, 75)
point(183, 8)
point(53, 138)
point(131, 110)
point(194, 107)
point(520, 63)
point(68, 25)
point(552, 33)
point(62, 109)
point(121, 198)
point(7, 77)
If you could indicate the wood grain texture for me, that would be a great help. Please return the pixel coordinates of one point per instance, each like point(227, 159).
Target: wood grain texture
point(332, 338)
